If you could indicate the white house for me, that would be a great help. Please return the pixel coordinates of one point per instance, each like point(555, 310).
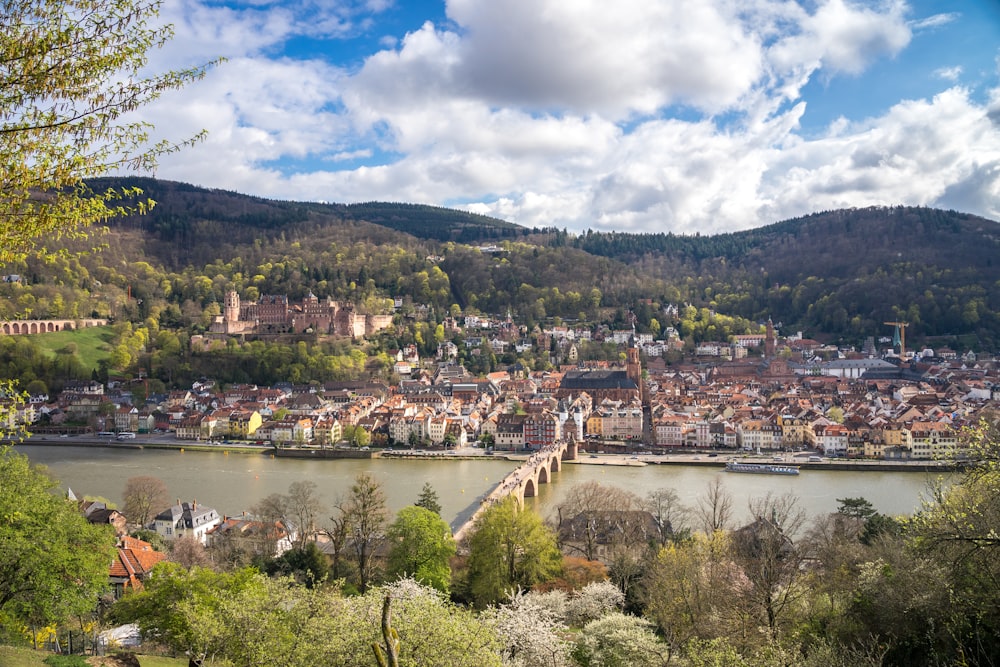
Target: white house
point(186, 520)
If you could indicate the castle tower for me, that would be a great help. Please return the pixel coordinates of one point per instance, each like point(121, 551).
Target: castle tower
point(232, 306)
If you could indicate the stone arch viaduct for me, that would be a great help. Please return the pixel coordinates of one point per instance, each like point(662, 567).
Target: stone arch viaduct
point(524, 480)
point(23, 327)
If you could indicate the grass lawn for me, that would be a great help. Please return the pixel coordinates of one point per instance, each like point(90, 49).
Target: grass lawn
point(15, 656)
point(157, 661)
point(92, 344)
point(11, 656)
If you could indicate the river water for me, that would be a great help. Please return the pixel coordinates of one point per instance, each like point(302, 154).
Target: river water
point(234, 482)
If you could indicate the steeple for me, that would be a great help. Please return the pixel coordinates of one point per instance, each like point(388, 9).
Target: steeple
point(770, 340)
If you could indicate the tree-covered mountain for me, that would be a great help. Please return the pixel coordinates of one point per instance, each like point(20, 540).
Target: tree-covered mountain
point(836, 274)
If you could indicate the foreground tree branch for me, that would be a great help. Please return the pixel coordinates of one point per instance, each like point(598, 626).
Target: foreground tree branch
point(71, 73)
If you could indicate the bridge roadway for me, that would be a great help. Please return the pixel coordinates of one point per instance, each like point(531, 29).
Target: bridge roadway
point(523, 481)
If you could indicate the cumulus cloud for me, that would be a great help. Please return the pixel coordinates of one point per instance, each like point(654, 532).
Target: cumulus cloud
point(843, 37)
point(680, 116)
point(630, 57)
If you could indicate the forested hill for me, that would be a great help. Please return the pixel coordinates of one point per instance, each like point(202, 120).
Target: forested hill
point(839, 274)
point(838, 243)
point(180, 208)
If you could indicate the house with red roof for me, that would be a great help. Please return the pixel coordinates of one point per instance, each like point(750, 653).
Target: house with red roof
point(134, 562)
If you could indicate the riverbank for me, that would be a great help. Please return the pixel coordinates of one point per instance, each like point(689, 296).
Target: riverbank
point(144, 442)
point(699, 459)
point(719, 461)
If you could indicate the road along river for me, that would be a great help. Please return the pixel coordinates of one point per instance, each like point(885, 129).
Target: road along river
point(233, 482)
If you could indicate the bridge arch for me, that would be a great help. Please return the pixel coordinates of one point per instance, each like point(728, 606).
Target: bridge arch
point(543, 474)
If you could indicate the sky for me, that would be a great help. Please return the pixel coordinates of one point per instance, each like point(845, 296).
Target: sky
point(635, 115)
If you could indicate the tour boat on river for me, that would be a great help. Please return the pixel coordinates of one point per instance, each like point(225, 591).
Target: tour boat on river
point(761, 468)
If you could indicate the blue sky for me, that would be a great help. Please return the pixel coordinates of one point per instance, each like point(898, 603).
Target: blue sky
point(640, 116)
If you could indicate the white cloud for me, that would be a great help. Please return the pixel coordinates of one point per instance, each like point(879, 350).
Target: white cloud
point(949, 73)
point(843, 37)
point(589, 56)
point(640, 116)
point(916, 154)
point(934, 21)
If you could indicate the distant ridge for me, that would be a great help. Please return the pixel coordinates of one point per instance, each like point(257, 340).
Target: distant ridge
point(840, 273)
point(177, 200)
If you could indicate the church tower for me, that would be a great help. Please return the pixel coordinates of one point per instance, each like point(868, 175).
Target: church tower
point(632, 366)
point(770, 341)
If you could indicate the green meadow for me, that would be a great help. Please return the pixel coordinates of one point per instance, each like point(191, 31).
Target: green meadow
point(92, 344)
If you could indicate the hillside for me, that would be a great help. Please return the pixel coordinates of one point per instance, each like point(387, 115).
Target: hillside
point(836, 274)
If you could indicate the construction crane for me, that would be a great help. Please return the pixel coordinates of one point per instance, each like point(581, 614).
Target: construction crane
point(900, 336)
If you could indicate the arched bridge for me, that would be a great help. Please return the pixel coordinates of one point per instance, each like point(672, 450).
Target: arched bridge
point(26, 327)
point(524, 480)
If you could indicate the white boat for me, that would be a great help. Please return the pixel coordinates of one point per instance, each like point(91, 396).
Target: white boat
point(761, 468)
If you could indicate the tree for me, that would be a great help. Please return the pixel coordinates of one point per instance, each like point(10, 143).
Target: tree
point(144, 497)
point(36, 388)
point(670, 514)
point(595, 514)
point(429, 499)
point(688, 589)
point(715, 508)
point(306, 565)
point(957, 530)
point(857, 508)
point(511, 548)
point(54, 563)
point(180, 607)
point(907, 602)
point(356, 436)
point(420, 545)
point(366, 516)
point(297, 510)
point(769, 558)
point(592, 602)
point(248, 619)
point(530, 628)
point(11, 400)
point(188, 552)
point(70, 73)
point(618, 640)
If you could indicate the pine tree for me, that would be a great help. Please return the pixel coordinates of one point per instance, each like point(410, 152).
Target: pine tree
point(429, 499)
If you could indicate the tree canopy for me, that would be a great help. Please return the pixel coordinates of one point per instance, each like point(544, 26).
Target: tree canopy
point(510, 548)
point(53, 562)
point(70, 73)
point(420, 545)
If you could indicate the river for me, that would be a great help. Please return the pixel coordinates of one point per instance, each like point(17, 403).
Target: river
point(234, 482)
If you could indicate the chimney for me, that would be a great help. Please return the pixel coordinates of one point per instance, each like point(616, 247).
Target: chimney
point(178, 501)
point(194, 504)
